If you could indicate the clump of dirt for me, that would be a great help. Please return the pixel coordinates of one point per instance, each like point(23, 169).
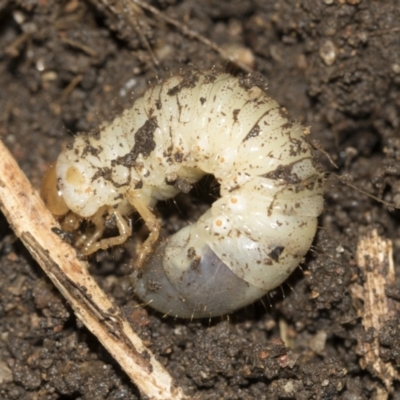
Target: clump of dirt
point(335, 65)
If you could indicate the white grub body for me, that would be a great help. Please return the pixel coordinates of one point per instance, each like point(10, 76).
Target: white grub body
point(197, 123)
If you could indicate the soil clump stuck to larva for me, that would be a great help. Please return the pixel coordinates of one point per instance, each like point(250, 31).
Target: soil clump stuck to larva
point(335, 66)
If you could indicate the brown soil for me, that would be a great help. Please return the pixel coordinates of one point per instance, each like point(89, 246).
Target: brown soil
point(335, 64)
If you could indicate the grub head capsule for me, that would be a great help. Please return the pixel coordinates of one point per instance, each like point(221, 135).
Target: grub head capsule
point(192, 124)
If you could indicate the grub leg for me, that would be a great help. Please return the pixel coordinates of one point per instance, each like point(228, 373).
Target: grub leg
point(93, 243)
point(151, 222)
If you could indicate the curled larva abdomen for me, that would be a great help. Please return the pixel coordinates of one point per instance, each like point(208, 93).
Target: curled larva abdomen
point(251, 238)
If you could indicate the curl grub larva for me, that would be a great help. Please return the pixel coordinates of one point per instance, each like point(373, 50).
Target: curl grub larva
point(251, 238)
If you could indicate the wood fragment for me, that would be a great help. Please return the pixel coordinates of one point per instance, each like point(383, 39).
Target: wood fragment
point(80, 46)
point(375, 260)
point(32, 223)
point(13, 49)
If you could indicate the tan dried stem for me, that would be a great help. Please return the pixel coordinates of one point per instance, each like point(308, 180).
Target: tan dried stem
point(33, 223)
point(375, 260)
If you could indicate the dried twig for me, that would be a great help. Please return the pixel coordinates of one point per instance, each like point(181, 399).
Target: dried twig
point(32, 223)
point(375, 260)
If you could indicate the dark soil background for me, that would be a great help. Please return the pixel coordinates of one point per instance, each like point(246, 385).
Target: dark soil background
point(334, 64)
